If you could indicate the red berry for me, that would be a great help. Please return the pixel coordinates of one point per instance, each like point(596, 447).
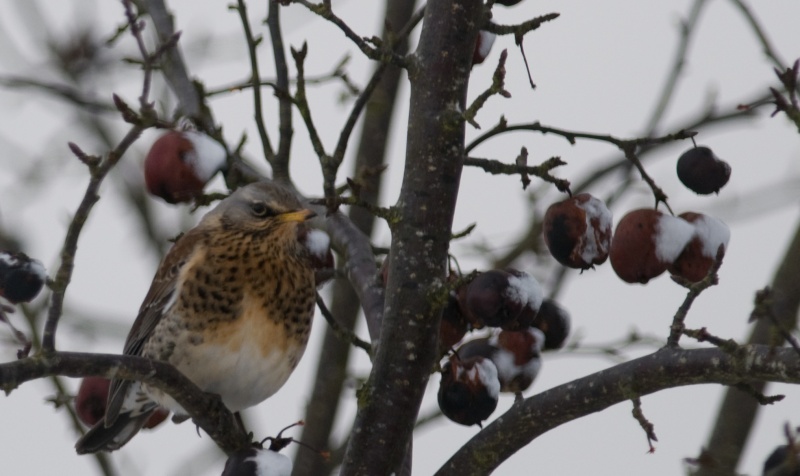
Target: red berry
point(645, 242)
point(697, 257)
point(577, 231)
point(518, 358)
point(469, 390)
point(90, 403)
point(21, 277)
point(180, 163)
point(703, 172)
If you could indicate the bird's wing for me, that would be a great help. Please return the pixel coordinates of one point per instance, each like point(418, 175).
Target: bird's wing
point(159, 298)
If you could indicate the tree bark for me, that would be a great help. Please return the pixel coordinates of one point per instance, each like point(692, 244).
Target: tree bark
point(406, 353)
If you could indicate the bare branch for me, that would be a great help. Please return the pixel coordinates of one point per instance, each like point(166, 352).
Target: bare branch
point(666, 368)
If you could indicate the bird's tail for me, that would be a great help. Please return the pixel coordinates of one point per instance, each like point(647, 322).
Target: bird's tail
point(103, 438)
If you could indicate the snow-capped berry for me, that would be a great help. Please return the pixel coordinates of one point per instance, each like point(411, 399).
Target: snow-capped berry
point(180, 163)
point(577, 231)
point(645, 242)
point(497, 298)
point(483, 45)
point(21, 277)
point(525, 289)
point(257, 462)
point(703, 172)
point(555, 322)
point(518, 358)
point(318, 244)
point(468, 390)
point(697, 257)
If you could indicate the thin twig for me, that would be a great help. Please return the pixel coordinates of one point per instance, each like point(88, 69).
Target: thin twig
point(252, 49)
point(280, 166)
point(649, 429)
point(384, 55)
point(342, 332)
point(677, 328)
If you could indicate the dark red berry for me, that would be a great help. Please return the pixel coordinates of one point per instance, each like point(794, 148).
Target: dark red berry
point(645, 242)
point(703, 172)
point(696, 259)
point(554, 321)
point(180, 163)
point(577, 231)
point(21, 277)
point(468, 390)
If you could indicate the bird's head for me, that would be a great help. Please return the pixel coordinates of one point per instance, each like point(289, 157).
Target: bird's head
point(261, 207)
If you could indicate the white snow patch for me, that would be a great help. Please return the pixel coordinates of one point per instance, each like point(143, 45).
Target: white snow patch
point(318, 243)
point(8, 259)
point(487, 374)
point(538, 335)
point(525, 290)
point(208, 157)
point(672, 236)
point(271, 463)
point(592, 247)
point(712, 233)
point(34, 265)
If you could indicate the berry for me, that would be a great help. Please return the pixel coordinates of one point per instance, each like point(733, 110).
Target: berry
point(21, 277)
point(318, 244)
point(554, 321)
point(468, 390)
point(517, 358)
point(516, 354)
point(501, 298)
point(696, 259)
point(180, 163)
point(577, 231)
point(92, 398)
point(257, 462)
point(90, 403)
point(645, 242)
point(703, 172)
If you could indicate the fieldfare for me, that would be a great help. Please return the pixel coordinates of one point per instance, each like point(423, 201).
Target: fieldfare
point(230, 306)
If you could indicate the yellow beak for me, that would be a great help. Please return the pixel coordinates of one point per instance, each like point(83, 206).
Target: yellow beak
point(300, 215)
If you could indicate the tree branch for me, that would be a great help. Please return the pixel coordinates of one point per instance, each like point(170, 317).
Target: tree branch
point(206, 409)
point(663, 369)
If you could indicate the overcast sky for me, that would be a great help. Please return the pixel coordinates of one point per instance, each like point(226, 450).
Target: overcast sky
point(599, 68)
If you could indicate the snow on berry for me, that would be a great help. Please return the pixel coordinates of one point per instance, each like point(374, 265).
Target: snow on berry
point(672, 236)
point(208, 156)
point(698, 256)
point(524, 289)
point(318, 243)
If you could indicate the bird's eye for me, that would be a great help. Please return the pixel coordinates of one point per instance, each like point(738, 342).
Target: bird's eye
point(260, 209)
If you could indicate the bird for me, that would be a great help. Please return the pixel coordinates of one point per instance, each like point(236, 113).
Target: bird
point(230, 306)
